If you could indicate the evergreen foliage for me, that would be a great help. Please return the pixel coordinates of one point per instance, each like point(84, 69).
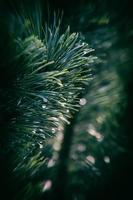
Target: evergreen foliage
point(46, 74)
point(65, 115)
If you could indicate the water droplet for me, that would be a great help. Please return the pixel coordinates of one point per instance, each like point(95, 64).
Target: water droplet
point(91, 159)
point(51, 163)
point(107, 159)
point(34, 131)
point(53, 130)
point(40, 146)
point(82, 101)
point(86, 51)
point(43, 106)
point(47, 185)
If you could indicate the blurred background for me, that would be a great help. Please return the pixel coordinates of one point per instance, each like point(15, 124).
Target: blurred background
point(100, 158)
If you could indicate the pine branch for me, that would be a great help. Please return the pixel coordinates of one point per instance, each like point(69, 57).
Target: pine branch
point(47, 71)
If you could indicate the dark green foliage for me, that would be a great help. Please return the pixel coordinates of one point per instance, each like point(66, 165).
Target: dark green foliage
point(41, 83)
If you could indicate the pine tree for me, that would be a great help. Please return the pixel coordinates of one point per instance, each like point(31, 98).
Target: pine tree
point(64, 115)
